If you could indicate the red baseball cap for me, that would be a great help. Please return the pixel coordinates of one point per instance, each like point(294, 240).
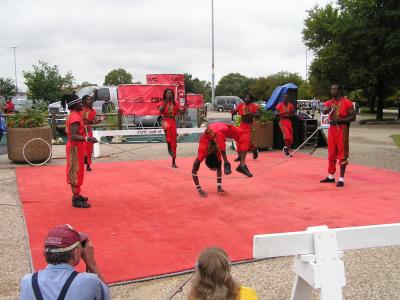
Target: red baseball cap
point(63, 238)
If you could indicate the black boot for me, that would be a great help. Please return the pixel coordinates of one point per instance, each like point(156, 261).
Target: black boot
point(244, 170)
point(328, 180)
point(255, 154)
point(88, 168)
point(79, 203)
point(173, 163)
point(227, 168)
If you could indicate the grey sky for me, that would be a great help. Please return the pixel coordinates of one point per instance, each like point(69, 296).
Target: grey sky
point(90, 38)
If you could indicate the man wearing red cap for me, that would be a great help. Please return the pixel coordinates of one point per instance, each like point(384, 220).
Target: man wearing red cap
point(211, 147)
point(285, 111)
point(63, 249)
point(75, 130)
point(341, 114)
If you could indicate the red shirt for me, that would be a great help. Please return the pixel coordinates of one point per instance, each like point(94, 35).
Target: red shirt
point(170, 110)
point(74, 117)
point(340, 107)
point(284, 110)
point(88, 116)
point(9, 107)
point(220, 131)
point(245, 109)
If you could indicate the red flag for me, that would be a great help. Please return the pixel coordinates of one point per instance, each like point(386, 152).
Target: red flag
point(195, 100)
point(142, 99)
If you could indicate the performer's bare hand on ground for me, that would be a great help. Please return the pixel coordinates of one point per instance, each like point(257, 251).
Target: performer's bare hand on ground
point(220, 190)
point(202, 193)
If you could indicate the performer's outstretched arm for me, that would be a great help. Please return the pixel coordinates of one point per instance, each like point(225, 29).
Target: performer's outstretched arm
point(195, 169)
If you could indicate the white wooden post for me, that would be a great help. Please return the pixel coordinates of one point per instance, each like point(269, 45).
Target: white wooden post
point(318, 252)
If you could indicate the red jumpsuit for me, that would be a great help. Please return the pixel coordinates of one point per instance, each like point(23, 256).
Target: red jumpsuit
point(169, 124)
point(217, 132)
point(88, 115)
point(338, 135)
point(246, 109)
point(9, 107)
point(75, 153)
point(285, 123)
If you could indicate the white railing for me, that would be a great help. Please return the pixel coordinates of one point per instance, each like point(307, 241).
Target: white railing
point(318, 252)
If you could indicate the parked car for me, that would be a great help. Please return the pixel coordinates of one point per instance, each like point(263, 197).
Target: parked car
point(21, 103)
point(225, 103)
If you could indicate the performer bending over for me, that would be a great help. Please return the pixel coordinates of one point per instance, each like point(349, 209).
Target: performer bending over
point(75, 130)
point(169, 109)
point(341, 113)
point(211, 147)
point(285, 111)
point(248, 111)
point(89, 118)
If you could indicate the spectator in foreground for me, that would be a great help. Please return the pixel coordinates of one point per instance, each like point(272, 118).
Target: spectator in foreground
point(9, 106)
point(213, 279)
point(63, 249)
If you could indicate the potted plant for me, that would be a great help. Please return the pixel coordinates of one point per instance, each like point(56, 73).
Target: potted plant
point(263, 130)
point(28, 127)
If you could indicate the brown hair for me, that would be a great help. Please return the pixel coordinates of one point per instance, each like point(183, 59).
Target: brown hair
point(213, 280)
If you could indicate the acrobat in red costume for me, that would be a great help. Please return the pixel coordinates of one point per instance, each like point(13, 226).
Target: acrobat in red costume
point(341, 113)
point(248, 111)
point(169, 109)
point(89, 118)
point(211, 148)
point(75, 151)
point(285, 111)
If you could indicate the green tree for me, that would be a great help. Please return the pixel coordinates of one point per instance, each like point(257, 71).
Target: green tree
point(7, 87)
point(357, 43)
point(263, 87)
point(233, 84)
point(118, 76)
point(304, 91)
point(46, 83)
point(197, 86)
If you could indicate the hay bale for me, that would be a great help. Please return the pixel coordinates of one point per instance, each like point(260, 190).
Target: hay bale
point(35, 151)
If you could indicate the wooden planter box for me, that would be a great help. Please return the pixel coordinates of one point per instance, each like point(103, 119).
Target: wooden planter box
point(263, 134)
point(35, 151)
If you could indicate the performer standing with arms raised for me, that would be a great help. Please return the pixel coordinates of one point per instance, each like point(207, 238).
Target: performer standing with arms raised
point(89, 118)
point(341, 114)
point(248, 111)
point(285, 111)
point(169, 109)
point(75, 130)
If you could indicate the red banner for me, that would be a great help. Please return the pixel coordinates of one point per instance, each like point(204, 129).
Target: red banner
point(195, 100)
point(176, 79)
point(142, 99)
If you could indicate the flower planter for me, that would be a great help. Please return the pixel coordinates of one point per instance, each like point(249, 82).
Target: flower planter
point(35, 151)
point(263, 134)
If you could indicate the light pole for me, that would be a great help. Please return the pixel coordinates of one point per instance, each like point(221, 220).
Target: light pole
point(212, 54)
point(306, 65)
point(15, 68)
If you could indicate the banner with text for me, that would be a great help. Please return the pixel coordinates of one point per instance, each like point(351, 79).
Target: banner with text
point(175, 79)
point(142, 99)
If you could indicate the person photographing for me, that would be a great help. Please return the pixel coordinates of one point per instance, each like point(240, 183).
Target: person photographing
point(64, 247)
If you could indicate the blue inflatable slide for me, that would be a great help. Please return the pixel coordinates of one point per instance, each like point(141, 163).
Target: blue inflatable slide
point(277, 95)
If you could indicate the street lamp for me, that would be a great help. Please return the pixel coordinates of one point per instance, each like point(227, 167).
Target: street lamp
point(15, 69)
point(212, 53)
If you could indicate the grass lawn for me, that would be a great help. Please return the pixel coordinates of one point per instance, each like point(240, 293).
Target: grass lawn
point(396, 139)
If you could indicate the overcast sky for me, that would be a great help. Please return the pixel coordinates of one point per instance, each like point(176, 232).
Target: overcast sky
point(90, 38)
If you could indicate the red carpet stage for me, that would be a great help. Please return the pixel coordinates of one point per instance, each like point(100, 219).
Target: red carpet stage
point(148, 220)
